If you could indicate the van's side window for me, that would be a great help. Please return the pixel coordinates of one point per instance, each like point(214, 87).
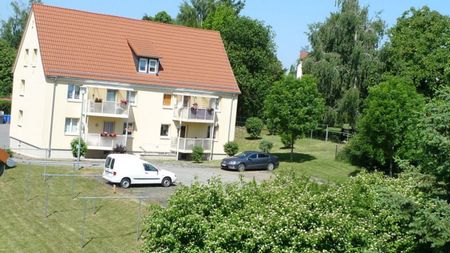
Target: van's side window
point(112, 163)
point(148, 167)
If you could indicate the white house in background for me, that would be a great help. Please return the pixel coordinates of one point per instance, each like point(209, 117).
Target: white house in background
point(157, 89)
point(303, 55)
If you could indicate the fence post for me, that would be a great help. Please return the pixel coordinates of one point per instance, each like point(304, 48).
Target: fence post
point(336, 152)
point(311, 133)
point(326, 134)
point(138, 221)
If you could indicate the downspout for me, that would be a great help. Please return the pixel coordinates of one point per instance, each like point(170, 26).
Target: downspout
point(51, 119)
point(231, 115)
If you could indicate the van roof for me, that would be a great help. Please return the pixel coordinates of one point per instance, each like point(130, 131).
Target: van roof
point(123, 156)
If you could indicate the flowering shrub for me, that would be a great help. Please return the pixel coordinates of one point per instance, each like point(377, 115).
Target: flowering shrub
point(368, 213)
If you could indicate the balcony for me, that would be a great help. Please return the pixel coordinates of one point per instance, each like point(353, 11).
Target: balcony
point(95, 141)
point(194, 114)
point(107, 109)
point(186, 145)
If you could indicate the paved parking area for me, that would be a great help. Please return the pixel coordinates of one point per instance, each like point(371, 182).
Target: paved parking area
point(4, 135)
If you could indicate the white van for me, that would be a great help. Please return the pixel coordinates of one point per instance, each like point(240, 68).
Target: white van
point(128, 169)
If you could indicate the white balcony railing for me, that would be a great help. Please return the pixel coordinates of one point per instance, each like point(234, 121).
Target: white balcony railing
point(191, 113)
point(94, 140)
point(187, 144)
point(112, 108)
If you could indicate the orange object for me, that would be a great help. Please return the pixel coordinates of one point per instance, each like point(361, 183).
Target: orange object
point(4, 156)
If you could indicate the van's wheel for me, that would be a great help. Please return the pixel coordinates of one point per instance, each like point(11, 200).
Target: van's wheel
point(125, 183)
point(270, 166)
point(166, 182)
point(2, 168)
point(241, 167)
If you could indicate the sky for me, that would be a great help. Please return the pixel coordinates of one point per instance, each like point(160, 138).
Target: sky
point(289, 19)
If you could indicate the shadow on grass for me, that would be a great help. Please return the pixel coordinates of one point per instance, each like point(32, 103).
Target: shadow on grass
point(354, 173)
point(296, 157)
point(252, 138)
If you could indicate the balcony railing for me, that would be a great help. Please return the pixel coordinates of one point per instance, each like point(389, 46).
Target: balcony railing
point(187, 144)
point(96, 141)
point(191, 113)
point(111, 108)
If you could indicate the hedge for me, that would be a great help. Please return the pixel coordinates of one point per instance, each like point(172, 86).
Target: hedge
point(5, 105)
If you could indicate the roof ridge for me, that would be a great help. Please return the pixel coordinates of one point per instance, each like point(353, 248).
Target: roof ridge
point(127, 18)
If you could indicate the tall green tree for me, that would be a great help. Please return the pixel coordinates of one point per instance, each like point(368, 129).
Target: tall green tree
point(194, 12)
point(251, 51)
point(391, 108)
point(344, 56)
point(419, 49)
point(162, 17)
point(294, 107)
point(7, 56)
point(12, 29)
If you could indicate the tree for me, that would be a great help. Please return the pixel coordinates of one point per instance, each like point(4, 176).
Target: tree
point(12, 29)
point(7, 56)
point(254, 126)
point(74, 147)
point(344, 56)
point(390, 109)
point(251, 51)
point(265, 146)
point(294, 106)
point(418, 49)
point(432, 143)
point(162, 17)
point(197, 154)
point(195, 12)
point(231, 148)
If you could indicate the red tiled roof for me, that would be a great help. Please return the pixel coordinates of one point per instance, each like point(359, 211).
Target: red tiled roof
point(303, 54)
point(92, 46)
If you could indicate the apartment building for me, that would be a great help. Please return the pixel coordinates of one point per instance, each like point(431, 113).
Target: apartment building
point(157, 89)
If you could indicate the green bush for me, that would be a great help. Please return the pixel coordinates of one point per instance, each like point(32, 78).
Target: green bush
point(74, 147)
point(367, 213)
point(197, 154)
point(5, 105)
point(286, 140)
point(254, 126)
point(231, 148)
point(265, 146)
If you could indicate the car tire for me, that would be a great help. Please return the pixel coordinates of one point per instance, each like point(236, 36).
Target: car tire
point(166, 182)
point(125, 183)
point(2, 168)
point(241, 167)
point(270, 166)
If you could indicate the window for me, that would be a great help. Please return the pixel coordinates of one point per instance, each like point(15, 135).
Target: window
point(108, 127)
point(73, 92)
point(129, 128)
point(164, 130)
point(111, 95)
point(253, 156)
point(22, 88)
point(108, 162)
point(208, 133)
point(20, 119)
point(152, 66)
point(263, 156)
point(33, 59)
point(112, 163)
point(131, 97)
point(217, 103)
point(71, 126)
point(149, 167)
point(186, 100)
point(167, 100)
point(27, 54)
point(143, 65)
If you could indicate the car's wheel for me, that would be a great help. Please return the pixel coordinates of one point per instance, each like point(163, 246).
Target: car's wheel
point(125, 183)
point(166, 182)
point(270, 166)
point(241, 167)
point(2, 168)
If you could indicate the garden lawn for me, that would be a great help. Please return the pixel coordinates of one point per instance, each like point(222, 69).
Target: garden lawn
point(312, 157)
point(23, 227)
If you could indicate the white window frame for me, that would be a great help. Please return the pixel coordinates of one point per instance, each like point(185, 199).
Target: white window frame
point(20, 118)
point(74, 124)
point(146, 65)
point(71, 96)
point(22, 88)
point(129, 92)
point(168, 131)
point(156, 66)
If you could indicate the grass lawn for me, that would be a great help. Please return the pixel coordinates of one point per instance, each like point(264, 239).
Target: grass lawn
point(313, 158)
point(24, 228)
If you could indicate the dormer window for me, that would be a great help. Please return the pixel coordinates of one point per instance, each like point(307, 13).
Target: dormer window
point(147, 65)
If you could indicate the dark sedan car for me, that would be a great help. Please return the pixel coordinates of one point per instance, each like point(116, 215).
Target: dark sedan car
point(250, 160)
